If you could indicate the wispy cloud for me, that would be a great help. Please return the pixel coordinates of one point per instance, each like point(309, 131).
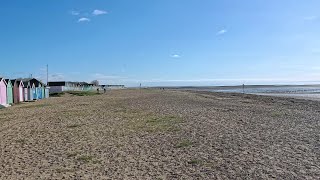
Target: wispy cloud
point(108, 79)
point(84, 20)
point(176, 56)
point(100, 76)
point(310, 18)
point(57, 77)
point(221, 32)
point(74, 13)
point(98, 12)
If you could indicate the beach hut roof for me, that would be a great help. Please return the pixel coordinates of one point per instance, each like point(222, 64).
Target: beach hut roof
point(34, 81)
point(13, 81)
point(2, 79)
point(8, 81)
point(17, 81)
point(26, 83)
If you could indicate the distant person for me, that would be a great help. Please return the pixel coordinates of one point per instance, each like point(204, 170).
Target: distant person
point(104, 90)
point(97, 90)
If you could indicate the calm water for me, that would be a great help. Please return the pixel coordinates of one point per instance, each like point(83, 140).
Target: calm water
point(310, 92)
point(271, 89)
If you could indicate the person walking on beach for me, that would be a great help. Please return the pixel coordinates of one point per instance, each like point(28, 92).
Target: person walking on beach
point(104, 90)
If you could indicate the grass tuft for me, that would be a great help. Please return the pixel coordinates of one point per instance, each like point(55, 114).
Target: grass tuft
point(184, 143)
point(85, 159)
point(72, 154)
point(151, 123)
point(74, 126)
point(21, 141)
point(194, 162)
point(35, 106)
point(57, 94)
point(275, 114)
point(83, 93)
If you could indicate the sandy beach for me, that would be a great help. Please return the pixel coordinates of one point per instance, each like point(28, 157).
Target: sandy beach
point(155, 134)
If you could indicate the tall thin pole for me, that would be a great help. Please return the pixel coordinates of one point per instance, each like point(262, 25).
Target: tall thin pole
point(47, 74)
point(243, 88)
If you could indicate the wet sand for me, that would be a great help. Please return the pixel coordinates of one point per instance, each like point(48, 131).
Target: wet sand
point(305, 96)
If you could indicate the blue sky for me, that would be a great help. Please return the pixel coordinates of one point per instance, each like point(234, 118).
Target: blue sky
point(162, 42)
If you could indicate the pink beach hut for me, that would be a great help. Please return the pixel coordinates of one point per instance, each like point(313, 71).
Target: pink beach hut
point(3, 92)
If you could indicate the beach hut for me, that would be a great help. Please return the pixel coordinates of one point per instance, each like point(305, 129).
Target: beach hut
point(43, 89)
point(47, 92)
point(35, 88)
point(34, 91)
point(26, 89)
point(3, 92)
point(39, 91)
point(9, 92)
point(21, 91)
point(17, 90)
point(31, 92)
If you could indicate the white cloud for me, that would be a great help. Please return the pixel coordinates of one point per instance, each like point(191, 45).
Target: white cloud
point(175, 56)
point(98, 12)
point(221, 32)
point(74, 13)
point(84, 19)
point(310, 18)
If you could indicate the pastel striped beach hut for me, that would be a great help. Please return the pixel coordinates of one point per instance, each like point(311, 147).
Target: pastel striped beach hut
point(21, 90)
point(3, 92)
point(34, 91)
point(35, 88)
point(31, 92)
point(26, 89)
point(9, 92)
point(43, 93)
point(17, 90)
point(47, 92)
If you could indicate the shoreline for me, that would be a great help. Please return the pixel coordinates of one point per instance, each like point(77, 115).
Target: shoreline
point(302, 96)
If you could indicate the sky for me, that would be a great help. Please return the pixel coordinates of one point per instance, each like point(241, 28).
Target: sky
point(162, 42)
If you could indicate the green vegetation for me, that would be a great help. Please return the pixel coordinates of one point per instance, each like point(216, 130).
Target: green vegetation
point(5, 116)
point(72, 154)
point(21, 141)
point(85, 159)
point(83, 93)
point(74, 126)
point(184, 143)
point(57, 94)
point(75, 93)
point(151, 123)
point(35, 106)
point(275, 114)
point(194, 162)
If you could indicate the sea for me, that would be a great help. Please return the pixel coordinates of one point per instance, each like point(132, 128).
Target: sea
point(309, 92)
